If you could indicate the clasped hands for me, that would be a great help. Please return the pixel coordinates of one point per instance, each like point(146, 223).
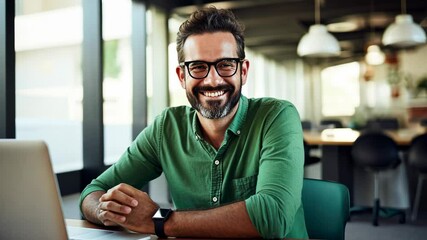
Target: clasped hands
point(128, 207)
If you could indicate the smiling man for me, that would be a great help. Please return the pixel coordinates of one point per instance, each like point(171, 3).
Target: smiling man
point(234, 165)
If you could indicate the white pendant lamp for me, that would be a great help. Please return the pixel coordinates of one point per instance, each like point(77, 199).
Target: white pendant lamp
point(318, 42)
point(404, 32)
point(374, 55)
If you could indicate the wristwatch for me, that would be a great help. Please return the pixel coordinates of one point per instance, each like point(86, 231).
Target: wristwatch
point(159, 219)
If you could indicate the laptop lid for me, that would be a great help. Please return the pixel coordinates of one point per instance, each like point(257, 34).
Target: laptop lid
point(29, 200)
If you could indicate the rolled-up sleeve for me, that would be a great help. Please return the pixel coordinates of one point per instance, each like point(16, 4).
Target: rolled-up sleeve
point(277, 202)
point(137, 166)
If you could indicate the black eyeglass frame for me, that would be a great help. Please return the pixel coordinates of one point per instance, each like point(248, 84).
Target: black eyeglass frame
point(187, 64)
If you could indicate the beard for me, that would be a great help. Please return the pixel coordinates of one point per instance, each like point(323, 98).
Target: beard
point(212, 109)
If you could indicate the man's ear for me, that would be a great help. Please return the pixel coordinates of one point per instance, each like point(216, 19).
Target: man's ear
point(245, 69)
point(181, 75)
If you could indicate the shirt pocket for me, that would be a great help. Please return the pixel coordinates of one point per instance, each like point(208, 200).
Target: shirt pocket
point(244, 187)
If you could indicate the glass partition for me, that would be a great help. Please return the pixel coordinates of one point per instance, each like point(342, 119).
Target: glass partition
point(117, 84)
point(48, 38)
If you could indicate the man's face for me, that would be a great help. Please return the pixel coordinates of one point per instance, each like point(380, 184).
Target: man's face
point(213, 96)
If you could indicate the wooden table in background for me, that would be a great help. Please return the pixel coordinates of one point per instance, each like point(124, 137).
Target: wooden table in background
point(337, 164)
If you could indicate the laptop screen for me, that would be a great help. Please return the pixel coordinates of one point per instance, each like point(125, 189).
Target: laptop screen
point(30, 199)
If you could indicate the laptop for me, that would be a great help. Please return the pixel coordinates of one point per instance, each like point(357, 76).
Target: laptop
point(30, 201)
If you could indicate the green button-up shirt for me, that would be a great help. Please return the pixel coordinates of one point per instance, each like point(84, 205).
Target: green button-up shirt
point(260, 162)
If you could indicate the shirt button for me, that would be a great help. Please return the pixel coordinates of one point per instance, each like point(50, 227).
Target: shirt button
point(216, 162)
point(214, 199)
point(238, 132)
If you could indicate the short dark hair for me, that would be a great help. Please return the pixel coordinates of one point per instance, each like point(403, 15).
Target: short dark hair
point(209, 20)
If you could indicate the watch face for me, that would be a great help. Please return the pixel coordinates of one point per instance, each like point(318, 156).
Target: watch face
point(162, 213)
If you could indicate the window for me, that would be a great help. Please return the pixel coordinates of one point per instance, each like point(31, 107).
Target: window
point(340, 89)
point(49, 78)
point(117, 83)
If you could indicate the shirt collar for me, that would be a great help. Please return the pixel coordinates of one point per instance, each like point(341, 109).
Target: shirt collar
point(240, 117)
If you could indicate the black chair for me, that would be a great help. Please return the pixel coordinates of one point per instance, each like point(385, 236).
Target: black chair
point(306, 125)
point(308, 159)
point(417, 157)
point(375, 151)
point(423, 122)
point(336, 122)
point(383, 123)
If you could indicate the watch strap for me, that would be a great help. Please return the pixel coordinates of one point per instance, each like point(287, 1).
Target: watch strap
point(159, 220)
point(159, 228)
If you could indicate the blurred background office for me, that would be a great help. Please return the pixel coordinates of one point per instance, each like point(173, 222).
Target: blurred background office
point(87, 76)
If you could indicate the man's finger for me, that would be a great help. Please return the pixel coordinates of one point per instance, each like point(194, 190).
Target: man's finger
point(113, 206)
point(121, 193)
point(109, 223)
point(107, 216)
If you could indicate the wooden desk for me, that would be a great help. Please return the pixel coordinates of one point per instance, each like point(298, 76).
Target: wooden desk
point(347, 136)
point(121, 232)
point(337, 164)
point(86, 224)
point(81, 223)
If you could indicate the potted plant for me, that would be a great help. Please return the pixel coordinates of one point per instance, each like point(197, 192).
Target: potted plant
point(421, 87)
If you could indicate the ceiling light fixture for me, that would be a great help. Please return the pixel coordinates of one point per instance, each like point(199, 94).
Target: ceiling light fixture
point(318, 42)
point(404, 32)
point(345, 26)
point(374, 55)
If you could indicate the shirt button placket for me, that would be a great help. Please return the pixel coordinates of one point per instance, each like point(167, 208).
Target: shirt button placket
point(216, 169)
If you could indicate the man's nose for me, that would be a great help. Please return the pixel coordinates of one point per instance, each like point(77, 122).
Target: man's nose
point(213, 78)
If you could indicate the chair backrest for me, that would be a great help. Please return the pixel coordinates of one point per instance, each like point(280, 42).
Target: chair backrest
point(375, 151)
point(326, 208)
point(383, 123)
point(306, 124)
point(336, 122)
point(417, 155)
point(308, 159)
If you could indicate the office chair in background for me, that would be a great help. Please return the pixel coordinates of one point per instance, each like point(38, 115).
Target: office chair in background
point(384, 123)
point(417, 157)
point(335, 122)
point(326, 208)
point(308, 158)
point(375, 151)
point(306, 125)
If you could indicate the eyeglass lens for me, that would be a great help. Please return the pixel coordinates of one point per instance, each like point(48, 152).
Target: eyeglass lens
point(224, 68)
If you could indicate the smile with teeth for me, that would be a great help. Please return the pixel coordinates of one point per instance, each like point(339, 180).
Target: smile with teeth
point(213, 94)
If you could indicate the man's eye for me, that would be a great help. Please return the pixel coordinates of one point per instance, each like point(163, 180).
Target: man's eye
point(198, 67)
point(226, 64)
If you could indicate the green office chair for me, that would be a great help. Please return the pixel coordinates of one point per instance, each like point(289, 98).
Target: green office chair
point(326, 208)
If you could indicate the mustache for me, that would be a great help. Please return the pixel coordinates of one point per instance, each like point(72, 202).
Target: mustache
point(209, 88)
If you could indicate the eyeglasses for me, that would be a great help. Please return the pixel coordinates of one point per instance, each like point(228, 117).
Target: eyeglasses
point(225, 67)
